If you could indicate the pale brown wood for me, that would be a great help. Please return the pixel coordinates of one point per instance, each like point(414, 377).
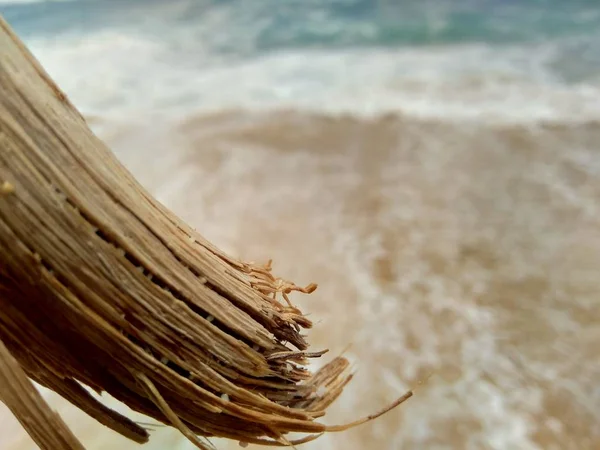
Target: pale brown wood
point(19, 394)
point(100, 284)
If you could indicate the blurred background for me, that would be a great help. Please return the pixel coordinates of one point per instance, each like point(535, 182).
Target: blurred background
point(434, 165)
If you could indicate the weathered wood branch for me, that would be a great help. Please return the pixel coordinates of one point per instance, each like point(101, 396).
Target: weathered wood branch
point(20, 395)
point(102, 285)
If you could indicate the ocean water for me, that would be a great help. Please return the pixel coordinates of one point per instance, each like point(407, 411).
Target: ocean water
point(433, 165)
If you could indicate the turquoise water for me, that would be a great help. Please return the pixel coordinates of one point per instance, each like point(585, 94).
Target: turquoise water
point(276, 24)
point(289, 50)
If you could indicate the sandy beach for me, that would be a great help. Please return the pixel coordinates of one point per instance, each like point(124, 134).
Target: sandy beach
point(457, 252)
point(443, 197)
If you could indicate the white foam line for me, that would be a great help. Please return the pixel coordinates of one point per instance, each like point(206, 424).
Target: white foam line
point(474, 82)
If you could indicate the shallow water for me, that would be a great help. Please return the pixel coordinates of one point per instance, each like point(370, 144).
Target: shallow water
point(444, 196)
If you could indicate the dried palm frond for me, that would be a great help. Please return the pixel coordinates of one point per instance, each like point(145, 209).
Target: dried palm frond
point(102, 286)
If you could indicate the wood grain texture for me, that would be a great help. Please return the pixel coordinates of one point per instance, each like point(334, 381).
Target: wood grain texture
point(20, 395)
point(102, 285)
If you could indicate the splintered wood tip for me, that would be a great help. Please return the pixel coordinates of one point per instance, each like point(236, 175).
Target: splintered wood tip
point(102, 286)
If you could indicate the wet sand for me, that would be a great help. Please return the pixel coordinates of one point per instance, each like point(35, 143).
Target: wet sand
point(462, 252)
